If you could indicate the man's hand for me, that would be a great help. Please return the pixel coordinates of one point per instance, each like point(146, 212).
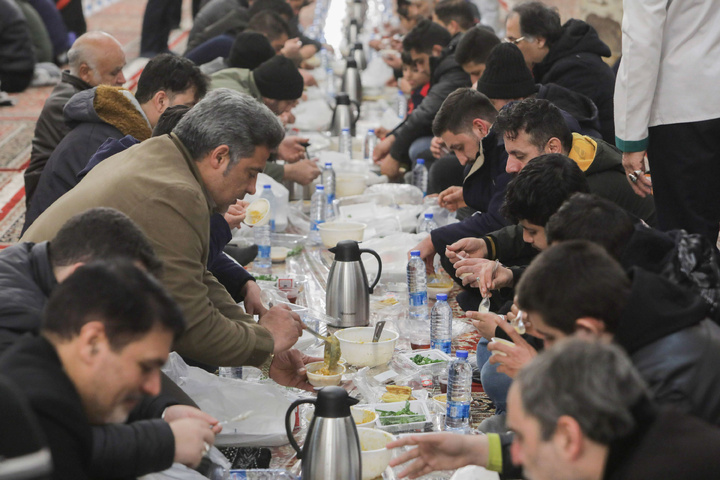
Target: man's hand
point(390, 167)
point(515, 357)
point(452, 198)
point(438, 148)
point(466, 247)
point(191, 437)
point(291, 149)
point(427, 253)
point(284, 325)
point(251, 299)
point(177, 412)
point(302, 172)
point(287, 118)
point(291, 49)
point(308, 78)
point(393, 61)
point(482, 269)
point(634, 164)
point(440, 451)
point(236, 213)
point(382, 149)
point(485, 323)
point(381, 132)
point(288, 369)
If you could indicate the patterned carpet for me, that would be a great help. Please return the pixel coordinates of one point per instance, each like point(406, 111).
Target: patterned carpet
point(120, 18)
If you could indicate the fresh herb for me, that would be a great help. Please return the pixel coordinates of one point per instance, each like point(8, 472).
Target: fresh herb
point(400, 417)
point(420, 360)
point(295, 251)
point(266, 278)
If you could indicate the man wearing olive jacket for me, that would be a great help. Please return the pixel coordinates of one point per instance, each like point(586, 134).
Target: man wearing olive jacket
point(169, 186)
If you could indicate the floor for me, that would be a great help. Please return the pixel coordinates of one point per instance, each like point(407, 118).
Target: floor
point(120, 18)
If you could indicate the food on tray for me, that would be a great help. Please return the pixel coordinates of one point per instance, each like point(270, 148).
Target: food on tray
point(439, 281)
point(257, 211)
point(295, 251)
point(420, 360)
point(266, 278)
point(397, 393)
point(389, 417)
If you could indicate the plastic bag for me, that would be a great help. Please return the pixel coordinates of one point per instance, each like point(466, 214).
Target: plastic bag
point(225, 398)
point(215, 464)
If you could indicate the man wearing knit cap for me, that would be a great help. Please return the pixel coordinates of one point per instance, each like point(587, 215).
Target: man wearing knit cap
point(278, 84)
point(507, 78)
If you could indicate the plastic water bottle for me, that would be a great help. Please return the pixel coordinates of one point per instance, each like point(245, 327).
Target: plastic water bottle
point(417, 287)
point(420, 175)
point(328, 180)
point(261, 474)
point(270, 196)
point(457, 417)
point(318, 212)
point(401, 104)
point(428, 224)
point(369, 145)
point(345, 142)
point(263, 239)
point(441, 324)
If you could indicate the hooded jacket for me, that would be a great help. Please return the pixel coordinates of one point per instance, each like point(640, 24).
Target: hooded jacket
point(94, 116)
point(575, 62)
point(447, 76)
point(580, 107)
point(675, 347)
point(216, 18)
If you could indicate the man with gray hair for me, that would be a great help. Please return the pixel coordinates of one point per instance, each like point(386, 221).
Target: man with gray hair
point(579, 411)
point(169, 186)
point(96, 58)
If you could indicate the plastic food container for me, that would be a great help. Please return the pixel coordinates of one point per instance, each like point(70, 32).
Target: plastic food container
point(317, 379)
point(258, 213)
point(431, 354)
point(419, 421)
point(358, 348)
point(349, 184)
point(374, 456)
point(503, 341)
point(333, 232)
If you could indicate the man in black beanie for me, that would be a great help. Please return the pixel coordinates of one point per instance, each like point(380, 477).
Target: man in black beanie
point(278, 84)
point(507, 79)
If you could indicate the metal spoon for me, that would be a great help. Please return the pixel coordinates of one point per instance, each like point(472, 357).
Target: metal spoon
point(485, 303)
point(378, 330)
point(332, 348)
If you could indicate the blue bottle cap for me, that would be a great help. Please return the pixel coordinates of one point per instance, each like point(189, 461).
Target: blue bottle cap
point(320, 187)
point(415, 253)
point(461, 354)
point(441, 297)
point(428, 215)
point(267, 186)
point(328, 164)
point(420, 161)
point(346, 130)
point(372, 130)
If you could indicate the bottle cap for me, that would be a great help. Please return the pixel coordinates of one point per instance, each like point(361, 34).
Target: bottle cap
point(372, 130)
point(441, 297)
point(415, 253)
point(420, 161)
point(267, 186)
point(346, 130)
point(461, 354)
point(320, 187)
point(328, 164)
point(428, 215)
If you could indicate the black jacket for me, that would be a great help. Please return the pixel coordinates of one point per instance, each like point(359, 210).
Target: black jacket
point(16, 47)
point(90, 129)
point(447, 76)
point(483, 190)
point(580, 107)
point(575, 62)
point(34, 366)
point(120, 451)
point(50, 129)
point(216, 18)
point(675, 347)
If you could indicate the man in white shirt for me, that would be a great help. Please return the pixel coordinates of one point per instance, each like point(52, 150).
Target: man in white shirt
point(667, 103)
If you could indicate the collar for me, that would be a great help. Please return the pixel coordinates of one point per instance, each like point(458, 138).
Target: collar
point(42, 268)
point(195, 171)
point(622, 449)
point(76, 82)
point(478, 162)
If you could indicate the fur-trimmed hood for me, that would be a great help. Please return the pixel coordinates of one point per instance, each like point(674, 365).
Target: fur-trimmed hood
point(115, 106)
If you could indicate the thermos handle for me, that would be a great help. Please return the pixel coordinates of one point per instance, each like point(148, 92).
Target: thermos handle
point(357, 105)
point(294, 405)
point(377, 278)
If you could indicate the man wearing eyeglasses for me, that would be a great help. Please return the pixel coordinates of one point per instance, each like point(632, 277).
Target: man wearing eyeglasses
point(569, 55)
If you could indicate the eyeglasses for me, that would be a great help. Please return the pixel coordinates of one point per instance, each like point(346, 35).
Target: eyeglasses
point(514, 41)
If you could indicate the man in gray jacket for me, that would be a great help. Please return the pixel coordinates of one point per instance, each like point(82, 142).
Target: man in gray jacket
point(96, 58)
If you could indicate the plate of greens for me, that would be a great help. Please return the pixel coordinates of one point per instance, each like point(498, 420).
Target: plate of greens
point(399, 417)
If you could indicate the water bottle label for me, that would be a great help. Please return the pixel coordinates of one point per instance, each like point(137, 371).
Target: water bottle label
point(314, 224)
point(443, 345)
point(331, 197)
point(418, 299)
point(458, 410)
point(264, 251)
point(272, 224)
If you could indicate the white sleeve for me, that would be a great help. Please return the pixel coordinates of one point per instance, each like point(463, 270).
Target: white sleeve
point(643, 27)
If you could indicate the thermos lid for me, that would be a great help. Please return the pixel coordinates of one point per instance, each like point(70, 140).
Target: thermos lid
point(346, 251)
point(342, 99)
point(333, 402)
point(351, 63)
